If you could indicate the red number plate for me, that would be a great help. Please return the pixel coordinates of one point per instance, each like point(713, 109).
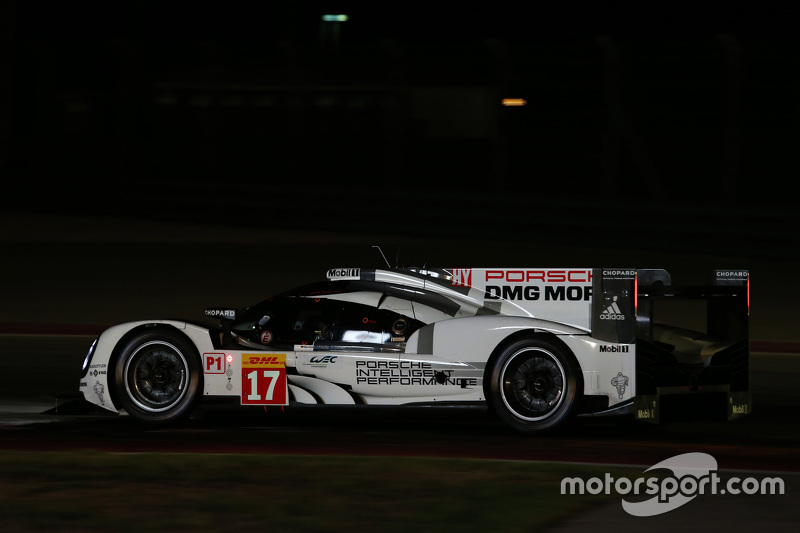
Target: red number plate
point(264, 379)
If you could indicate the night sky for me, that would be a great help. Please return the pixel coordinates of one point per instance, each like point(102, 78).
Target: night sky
point(667, 105)
point(256, 22)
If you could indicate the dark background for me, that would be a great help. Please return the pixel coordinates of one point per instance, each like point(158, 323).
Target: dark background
point(671, 126)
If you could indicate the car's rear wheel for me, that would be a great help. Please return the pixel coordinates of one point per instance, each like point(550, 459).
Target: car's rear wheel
point(534, 385)
point(157, 376)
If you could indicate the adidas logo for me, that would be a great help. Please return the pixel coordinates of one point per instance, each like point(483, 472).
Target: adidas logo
point(612, 312)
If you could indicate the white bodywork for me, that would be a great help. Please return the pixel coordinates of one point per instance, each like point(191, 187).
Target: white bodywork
point(445, 361)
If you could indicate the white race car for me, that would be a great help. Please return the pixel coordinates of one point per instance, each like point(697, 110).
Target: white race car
point(538, 345)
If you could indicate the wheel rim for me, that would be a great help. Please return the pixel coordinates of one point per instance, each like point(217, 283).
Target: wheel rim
point(155, 376)
point(533, 383)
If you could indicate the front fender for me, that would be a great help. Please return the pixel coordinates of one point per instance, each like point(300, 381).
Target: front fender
point(94, 383)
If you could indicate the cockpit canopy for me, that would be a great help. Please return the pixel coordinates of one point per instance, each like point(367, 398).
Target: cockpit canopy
point(351, 313)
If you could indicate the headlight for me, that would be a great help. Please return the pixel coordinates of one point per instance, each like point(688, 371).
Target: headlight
point(88, 358)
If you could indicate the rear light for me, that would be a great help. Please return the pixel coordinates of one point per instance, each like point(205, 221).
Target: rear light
point(748, 294)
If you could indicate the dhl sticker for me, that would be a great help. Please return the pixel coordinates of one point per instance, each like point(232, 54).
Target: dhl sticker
point(251, 360)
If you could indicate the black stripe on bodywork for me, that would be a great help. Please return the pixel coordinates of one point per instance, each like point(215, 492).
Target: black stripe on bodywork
point(490, 308)
point(425, 340)
point(423, 296)
point(443, 280)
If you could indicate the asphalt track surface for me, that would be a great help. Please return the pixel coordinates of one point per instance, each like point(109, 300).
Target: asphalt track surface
point(63, 294)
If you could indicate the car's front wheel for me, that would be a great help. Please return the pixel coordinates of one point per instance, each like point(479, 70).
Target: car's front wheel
point(157, 376)
point(533, 385)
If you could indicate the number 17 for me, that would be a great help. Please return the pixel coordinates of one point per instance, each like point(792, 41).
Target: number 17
point(271, 375)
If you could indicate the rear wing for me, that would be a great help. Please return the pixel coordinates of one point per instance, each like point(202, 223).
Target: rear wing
point(725, 302)
point(624, 306)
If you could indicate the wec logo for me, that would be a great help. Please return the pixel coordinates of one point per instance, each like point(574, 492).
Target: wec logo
point(323, 360)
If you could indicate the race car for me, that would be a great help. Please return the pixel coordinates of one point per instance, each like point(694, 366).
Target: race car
point(538, 346)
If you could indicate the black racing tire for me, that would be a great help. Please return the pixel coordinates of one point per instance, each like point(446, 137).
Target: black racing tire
point(157, 376)
point(534, 385)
